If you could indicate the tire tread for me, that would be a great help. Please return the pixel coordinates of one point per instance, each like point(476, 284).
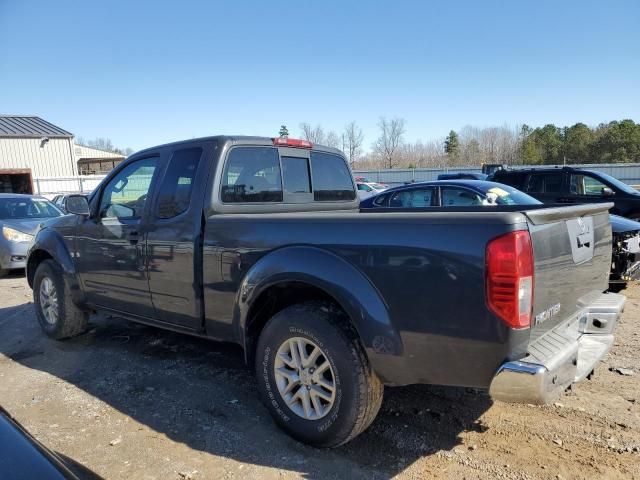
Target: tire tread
point(74, 319)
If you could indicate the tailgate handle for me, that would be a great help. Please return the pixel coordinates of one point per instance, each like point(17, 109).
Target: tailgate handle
point(581, 243)
point(133, 238)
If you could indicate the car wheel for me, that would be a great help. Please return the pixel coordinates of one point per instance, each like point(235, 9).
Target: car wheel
point(58, 316)
point(314, 376)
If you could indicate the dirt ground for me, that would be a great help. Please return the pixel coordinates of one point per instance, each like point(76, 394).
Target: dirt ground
point(133, 402)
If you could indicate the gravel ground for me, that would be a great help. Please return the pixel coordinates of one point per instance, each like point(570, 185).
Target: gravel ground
point(134, 402)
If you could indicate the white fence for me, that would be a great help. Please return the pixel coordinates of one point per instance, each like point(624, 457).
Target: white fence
point(626, 172)
point(49, 186)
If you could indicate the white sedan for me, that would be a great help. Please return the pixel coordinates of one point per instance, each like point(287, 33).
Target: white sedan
point(368, 189)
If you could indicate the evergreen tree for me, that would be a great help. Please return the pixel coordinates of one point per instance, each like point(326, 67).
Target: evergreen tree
point(452, 145)
point(284, 133)
point(578, 141)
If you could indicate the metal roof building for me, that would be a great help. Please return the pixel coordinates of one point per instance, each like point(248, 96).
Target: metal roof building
point(31, 143)
point(34, 148)
point(12, 126)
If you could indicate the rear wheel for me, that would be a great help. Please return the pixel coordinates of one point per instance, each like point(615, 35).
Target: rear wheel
point(58, 316)
point(314, 376)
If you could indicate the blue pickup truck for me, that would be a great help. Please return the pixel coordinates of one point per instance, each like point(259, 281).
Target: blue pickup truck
point(259, 241)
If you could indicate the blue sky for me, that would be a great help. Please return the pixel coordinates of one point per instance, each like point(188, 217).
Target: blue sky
point(143, 73)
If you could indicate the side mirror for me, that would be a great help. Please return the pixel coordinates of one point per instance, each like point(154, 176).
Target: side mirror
point(78, 205)
point(607, 192)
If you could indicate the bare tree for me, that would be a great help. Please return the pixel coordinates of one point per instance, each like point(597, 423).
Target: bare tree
point(332, 140)
point(489, 145)
point(391, 133)
point(352, 140)
point(314, 135)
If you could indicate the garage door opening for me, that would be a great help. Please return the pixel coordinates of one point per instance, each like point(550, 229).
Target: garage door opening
point(16, 181)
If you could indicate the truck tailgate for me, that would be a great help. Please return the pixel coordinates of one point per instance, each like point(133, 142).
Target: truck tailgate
point(572, 255)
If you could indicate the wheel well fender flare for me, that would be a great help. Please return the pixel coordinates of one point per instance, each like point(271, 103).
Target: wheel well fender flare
point(49, 244)
point(337, 278)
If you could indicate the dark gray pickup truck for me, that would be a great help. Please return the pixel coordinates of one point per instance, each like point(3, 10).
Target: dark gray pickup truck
point(258, 241)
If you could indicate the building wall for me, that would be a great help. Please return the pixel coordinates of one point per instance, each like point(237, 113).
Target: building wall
point(53, 159)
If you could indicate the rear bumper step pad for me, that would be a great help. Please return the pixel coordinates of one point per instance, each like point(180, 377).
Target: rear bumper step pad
point(563, 356)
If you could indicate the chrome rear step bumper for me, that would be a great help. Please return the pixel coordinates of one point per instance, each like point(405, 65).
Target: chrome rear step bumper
point(563, 356)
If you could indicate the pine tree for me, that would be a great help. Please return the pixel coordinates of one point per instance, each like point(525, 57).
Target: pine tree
point(452, 145)
point(284, 133)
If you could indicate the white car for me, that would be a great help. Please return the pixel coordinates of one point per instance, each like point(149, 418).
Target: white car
point(368, 189)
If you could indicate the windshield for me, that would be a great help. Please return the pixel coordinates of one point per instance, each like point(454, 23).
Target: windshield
point(506, 195)
point(617, 183)
point(27, 208)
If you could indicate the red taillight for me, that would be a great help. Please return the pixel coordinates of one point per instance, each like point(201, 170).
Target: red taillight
point(292, 142)
point(510, 278)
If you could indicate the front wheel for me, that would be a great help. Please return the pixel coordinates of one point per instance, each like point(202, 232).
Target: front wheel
point(58, 316)
point(314, 376)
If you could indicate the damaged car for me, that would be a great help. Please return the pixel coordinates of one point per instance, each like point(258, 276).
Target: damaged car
point(625, 261)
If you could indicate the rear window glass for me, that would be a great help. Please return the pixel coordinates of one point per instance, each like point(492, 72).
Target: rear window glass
point(506, 195)
point(252, 174)
point(331, 178)
point(381, 200)
point(295, 172)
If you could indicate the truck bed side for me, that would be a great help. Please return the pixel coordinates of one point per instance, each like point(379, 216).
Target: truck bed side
point(428, 269)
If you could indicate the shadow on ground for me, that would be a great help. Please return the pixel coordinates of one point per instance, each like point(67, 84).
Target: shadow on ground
point(200, 393)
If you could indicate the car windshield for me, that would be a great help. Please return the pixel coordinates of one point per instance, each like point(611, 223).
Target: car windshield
point(618, 184)
point(506, 195)
point(26, 208)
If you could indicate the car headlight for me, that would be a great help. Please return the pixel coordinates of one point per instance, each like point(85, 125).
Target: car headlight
point(15, 235)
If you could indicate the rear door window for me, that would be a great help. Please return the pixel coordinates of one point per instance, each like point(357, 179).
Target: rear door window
point(252, 174)
point(545, 183)
point(413, 198)
point(381, 200)
point(331, 178)
point(175, 190)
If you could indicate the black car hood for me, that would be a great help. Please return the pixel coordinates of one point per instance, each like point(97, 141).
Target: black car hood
point(620, 224)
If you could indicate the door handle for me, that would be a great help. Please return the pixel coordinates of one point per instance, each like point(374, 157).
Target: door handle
point(134, 238)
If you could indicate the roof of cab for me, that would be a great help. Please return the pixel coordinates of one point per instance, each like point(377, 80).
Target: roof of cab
point(237, 140)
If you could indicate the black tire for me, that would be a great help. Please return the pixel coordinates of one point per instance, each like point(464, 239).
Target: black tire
point(71, 320)
point(358, 392)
